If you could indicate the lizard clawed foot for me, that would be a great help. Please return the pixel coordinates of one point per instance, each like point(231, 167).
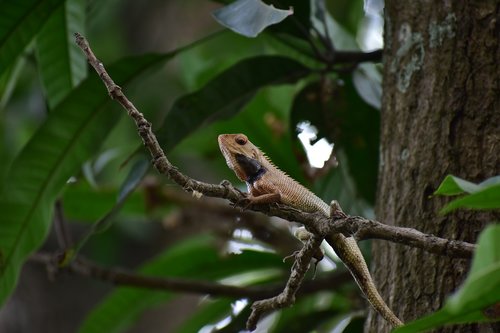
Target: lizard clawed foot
point(315, 258)
point(293, 255)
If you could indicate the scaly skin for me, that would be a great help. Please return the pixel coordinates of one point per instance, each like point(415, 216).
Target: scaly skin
point(266, 183)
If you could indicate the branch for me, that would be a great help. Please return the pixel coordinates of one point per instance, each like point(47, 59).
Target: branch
point(357, 56)
point(363, 228)
point(287, 296)
point(122, 277)
point(315, 222)
point(160, 161)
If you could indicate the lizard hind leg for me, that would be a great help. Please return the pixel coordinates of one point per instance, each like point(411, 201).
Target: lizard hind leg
point(250, 200)
point(267, 198)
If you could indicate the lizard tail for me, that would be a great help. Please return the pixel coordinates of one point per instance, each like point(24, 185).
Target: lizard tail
point(348, 251)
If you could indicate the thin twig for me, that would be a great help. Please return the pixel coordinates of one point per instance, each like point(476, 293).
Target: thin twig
point(287, 296)
point(356, 57)
point(362, 228)
point(122, 277)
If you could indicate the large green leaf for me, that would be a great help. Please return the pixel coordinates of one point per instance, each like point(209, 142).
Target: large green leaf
point(62, 64)
point(98, 203)
point(226, 94)
point(485, 195)
point(480, 290)
point(68, 137)
point(452, 185)
point(20, 21)
point(8, 82)
point(196, 257)
point(487, 198)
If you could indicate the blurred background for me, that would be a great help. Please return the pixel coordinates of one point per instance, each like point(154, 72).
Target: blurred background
point(302, 124)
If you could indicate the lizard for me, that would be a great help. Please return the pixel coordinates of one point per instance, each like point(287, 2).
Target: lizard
point(266, 183)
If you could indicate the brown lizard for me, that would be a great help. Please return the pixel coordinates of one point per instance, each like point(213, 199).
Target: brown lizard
point(268, 184)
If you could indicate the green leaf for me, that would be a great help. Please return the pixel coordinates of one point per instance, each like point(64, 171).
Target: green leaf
point(249, 17)
point(490, 181)
point(339, 184)
point(480, 290)
point(209, 314)
point(485, 195)
point(20, 21)
point(196, 257)
point(328, 26)
point(295, 48)
point(452, 185)
point(238, 321)
point(8, 82)
point(98, 202)
point(482, 286)
point(226, 95)
point(487, 198)
point(309, 313)
point(62, 64)
point(348, 13)
point(133, 179)
point(139, 168)
point(69, 136)
point(356, 324)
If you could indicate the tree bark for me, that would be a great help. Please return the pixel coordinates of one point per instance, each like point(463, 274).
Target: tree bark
point(440, 115)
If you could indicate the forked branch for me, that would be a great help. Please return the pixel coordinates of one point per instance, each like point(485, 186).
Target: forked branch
point(316, 223)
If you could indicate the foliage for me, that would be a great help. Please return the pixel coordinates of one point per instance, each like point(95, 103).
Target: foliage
point(477, 298)
point(479, 294)
point(485, 195)
point(64, 140)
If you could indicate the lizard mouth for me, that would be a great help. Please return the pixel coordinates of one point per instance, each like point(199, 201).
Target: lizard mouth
point(227, 155)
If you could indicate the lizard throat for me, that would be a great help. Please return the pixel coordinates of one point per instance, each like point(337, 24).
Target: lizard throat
point(251, 168)
point(255, 177)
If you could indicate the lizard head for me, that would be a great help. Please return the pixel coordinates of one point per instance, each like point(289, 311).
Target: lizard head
point(236, 146)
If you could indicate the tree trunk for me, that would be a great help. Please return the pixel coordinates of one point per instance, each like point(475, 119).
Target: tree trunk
point(440, 115)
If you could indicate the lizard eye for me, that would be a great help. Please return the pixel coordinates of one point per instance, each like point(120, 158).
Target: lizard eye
point(241, 140)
